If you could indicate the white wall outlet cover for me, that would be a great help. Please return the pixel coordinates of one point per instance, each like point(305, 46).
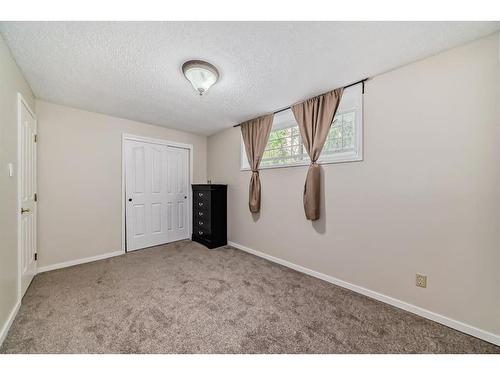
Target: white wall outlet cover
point(11, 170)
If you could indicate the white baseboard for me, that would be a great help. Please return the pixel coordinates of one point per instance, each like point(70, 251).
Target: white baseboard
point(459, 326)
point(78, 261)
point(8, 323)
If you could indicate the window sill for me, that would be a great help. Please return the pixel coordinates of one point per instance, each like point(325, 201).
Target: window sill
point(347, 159)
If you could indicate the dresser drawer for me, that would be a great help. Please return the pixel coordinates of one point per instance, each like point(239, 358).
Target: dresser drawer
point(200, 214)
point(203, 223)
point(201, 205)
point(201, 232)
point(201, 196)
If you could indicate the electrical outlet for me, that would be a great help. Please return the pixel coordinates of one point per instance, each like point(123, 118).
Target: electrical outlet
point(421, 281)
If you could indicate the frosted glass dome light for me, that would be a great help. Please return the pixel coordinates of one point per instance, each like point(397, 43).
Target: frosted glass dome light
point(201, 74)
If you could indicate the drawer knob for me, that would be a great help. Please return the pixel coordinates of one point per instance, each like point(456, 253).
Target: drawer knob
point(200, 213)
point(200, 204)
point(200, 194)
point(200, 222)
point(200, 232)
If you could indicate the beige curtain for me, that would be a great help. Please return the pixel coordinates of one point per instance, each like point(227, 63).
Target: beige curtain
point(255, 135)
point(315, 117)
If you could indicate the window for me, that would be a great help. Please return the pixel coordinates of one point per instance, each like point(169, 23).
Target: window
point(344, 142)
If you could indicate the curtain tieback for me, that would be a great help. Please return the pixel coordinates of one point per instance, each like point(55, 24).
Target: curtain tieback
point(255, 171)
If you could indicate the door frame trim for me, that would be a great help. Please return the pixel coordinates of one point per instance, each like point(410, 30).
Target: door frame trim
point(158, 141)
point(20, 102)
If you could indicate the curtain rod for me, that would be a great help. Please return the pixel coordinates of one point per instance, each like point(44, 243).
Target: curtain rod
point(362, 81)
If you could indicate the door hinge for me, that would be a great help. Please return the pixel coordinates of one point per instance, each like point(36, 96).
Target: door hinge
point(36, 138)
point(36, 256)
point(35, 197)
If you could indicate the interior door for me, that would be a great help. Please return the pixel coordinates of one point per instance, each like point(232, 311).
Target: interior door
point(156, 187)
point(146, 195)
point(27, 189)
point(177, 193)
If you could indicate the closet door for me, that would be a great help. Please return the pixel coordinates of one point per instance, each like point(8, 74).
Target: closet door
point(177, 193)
point(146, 194)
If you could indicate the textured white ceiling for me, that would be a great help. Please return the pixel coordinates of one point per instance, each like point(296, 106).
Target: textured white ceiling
point(133, 69)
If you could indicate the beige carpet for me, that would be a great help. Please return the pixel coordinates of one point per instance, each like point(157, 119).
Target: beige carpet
point(183, 298)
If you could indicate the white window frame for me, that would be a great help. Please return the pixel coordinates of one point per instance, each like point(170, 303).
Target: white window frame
point(352, 101)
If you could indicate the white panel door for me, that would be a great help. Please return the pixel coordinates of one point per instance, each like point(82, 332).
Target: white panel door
point(156, 193)
point(27, 189)
point(177, 193)
point(146, 205)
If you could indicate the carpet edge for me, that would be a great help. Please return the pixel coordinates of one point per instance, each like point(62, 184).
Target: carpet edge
point(444, 320)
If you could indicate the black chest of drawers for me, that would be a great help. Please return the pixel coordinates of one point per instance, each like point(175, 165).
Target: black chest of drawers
point(210, 215)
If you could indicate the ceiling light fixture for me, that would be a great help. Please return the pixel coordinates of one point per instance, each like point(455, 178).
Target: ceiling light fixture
point(201, 74)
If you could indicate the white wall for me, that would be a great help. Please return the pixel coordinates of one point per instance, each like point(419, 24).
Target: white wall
point(425, 199)
point(11, 82)
point(79, 179)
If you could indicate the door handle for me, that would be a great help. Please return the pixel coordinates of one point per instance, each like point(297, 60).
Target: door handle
point(130, 199)
point(23, 210)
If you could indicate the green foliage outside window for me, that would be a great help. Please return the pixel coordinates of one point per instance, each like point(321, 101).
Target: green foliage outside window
point(285, 145)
